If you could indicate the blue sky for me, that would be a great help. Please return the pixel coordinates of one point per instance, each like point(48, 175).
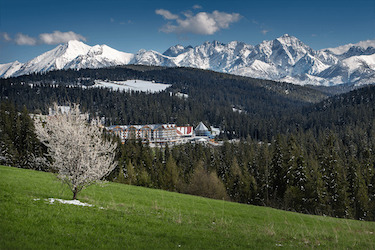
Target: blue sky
point(29, 28)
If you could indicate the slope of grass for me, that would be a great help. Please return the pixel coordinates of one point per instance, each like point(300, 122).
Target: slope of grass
point(135, 217)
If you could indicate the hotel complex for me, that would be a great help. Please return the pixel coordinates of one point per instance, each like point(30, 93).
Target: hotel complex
point(162, 134)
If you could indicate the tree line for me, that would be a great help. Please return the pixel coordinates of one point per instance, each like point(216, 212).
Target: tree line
point(19, 145)
point(323, 176)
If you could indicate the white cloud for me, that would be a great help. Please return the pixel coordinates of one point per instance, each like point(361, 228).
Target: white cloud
point(60, 37)
point(224, 19)
point(264, 32)
point(202, 23)
point(6, 37)
point(45, 38)
point(197, 7)
point(166, 14)
point(22, 39)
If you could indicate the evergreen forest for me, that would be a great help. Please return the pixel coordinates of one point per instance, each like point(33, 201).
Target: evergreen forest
point(296, 148)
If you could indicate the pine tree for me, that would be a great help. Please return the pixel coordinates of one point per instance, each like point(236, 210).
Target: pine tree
point(171, 177)
point(262, 175)
point(131, 177)
point(121, 175)
point(368, 174)
point(278, 172)
point(334, 178)
point(6, 154)
point(235, 181)
point(295, 177)
point(361, 197)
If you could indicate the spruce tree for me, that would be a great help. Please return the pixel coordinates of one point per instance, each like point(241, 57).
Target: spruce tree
point(278, 172)
point(171, 177)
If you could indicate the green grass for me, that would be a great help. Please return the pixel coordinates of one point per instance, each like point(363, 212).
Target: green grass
point(136, 217)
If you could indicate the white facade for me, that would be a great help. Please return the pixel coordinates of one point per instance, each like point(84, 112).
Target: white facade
point(159, 134)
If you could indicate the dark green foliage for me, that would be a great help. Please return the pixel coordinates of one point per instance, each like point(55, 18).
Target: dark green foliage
point(170, 173)
point(212, 97)
point(19, 145)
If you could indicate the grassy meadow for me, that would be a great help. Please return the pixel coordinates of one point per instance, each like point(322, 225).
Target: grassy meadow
point(126, 216)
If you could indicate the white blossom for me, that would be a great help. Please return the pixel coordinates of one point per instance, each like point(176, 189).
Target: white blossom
point(80, 154)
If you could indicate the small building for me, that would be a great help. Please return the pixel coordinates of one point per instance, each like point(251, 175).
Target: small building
point(202, 130)
point(215, 131)
point(151, 133)
point(185, 131)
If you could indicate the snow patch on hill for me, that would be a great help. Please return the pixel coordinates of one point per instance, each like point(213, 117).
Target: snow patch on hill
point(132, 85)
point(70, 202)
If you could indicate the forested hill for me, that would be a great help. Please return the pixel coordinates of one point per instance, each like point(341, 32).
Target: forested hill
point(239, 105)
point(357, 107)
point(184, 79)
point(343, 113)
point(319, 157)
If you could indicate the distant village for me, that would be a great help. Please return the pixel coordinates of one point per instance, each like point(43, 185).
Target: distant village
point(158, 135)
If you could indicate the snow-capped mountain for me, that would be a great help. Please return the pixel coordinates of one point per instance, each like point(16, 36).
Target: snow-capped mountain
point(72, 55)
point(8, 69)
point(363, 45)
point(283, 59)
point(100, 56)
point(54, 59)
point(176, 50)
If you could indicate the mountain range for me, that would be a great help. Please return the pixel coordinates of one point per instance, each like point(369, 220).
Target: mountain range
point(283, 59)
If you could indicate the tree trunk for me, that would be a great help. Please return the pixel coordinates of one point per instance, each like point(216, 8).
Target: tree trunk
point(75, 192)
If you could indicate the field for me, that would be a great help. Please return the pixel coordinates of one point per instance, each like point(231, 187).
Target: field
point(126, 216)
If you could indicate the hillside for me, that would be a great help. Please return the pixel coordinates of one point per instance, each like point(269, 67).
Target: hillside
point(213, 97)
point(134, 217)
point(355, 108)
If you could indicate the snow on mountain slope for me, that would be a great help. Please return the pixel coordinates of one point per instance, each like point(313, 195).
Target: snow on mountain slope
point(100, 56)
point(54, 59)
point(73, 55)
point(154, 58)
point(308, 64)
point(176, 50)
point(361, 69)
point(356, 70)
point(8, 69)
point(289, 47)
point(205, 56)
point(283, 59)
point(344, 48)
point(215, 56)
point(326, 57)
point(258, 69)
point(360, 62)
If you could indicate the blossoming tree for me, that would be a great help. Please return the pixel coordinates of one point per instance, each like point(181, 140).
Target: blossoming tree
point(80, 155)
